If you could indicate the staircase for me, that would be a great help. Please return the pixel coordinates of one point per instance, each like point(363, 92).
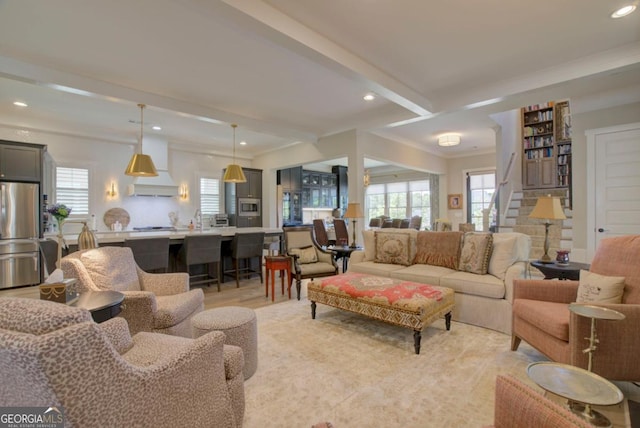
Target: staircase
point(517, 220)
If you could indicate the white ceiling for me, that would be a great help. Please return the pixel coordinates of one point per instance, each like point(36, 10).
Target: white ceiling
point(295, 70)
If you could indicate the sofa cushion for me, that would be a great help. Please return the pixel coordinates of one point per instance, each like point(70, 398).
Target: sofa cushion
point(373, 268)
point(392, 247)
point(305, 255)
point(471, 283)
point(369, 240)
point(476, 252)
point(424, 274)
point(438, 249)
point(550, 317)
point(600, 288)
point(503, 254)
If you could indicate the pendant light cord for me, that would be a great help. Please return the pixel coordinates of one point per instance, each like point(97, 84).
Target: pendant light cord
point(234, 126)
point(142, 106)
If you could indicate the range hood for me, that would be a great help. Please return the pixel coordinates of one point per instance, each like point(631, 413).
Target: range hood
point(163, 184)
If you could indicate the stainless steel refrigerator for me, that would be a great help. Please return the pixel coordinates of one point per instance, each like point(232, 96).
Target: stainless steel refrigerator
point(19, 231)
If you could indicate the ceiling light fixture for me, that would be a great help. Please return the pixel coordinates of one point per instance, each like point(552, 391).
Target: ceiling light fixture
point(20, 104)
point(156, 128)
point(448, 140)
point(623, 11)
point(243, 143)
point(369, 97)
point(234, 173)
point(140, 164)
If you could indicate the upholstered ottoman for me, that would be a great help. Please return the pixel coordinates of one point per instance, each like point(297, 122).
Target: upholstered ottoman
point(399, 302)
point(240, 327)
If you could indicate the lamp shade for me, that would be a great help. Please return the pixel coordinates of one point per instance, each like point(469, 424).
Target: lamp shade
point(353, 211)
point(234, 174)
point(141, 166)
point(548, 207)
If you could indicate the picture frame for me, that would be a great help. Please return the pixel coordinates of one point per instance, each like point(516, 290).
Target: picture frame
point(455, 201)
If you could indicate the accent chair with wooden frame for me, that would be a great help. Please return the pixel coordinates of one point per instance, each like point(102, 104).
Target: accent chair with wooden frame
point(541, 315)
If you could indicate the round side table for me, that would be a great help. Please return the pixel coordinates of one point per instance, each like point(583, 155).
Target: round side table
point(553, 270)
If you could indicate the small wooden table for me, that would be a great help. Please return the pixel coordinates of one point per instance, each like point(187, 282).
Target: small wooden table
point(273, 264)
point(553, 270)
point(343, 253)
point(103, 305)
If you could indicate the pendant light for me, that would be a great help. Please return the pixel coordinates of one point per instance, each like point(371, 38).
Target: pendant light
point(140, 164)
point(234, 173)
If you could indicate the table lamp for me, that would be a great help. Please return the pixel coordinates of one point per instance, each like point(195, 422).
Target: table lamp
point(547, 208)
point(354, 212)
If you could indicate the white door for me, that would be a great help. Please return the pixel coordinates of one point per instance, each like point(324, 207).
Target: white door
point(616, 169)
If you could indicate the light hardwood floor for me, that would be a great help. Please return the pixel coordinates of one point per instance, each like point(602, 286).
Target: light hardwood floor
point(251, 293)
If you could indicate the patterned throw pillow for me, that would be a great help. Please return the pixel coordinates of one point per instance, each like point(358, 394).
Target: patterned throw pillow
point(392, 248)
point(438, 249)
point(600, 288)
point(476, 252)
point(305, 255)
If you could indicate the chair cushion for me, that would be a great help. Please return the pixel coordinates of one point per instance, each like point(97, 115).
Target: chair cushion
point(476, 252)
point(317, 268)
point(438, 249)
point(551, 317)
point(600, 288)
point(176, 308)
point(112, 268)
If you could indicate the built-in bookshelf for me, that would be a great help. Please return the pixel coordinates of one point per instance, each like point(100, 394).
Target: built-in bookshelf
point(546, 145)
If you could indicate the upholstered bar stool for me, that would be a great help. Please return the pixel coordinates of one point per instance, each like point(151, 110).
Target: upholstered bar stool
point(150, 254)
point(245, 249)
point(240, 327)
point(201, 250)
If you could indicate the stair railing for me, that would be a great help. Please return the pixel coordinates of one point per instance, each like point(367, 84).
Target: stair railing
point(505, 180)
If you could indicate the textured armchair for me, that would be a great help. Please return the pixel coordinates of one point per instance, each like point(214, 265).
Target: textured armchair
point(518, 406)
point(55, 355)
point(158, 302)
point(542, 318)
point(309, 259)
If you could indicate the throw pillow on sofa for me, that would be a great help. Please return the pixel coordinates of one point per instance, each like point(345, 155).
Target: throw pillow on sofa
point(438, 249)
point(305, 255)
point(599, 288)
point(392, 248)
point(476, 252)
point(503, 255)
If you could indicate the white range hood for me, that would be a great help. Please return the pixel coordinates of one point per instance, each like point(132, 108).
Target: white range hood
point(163, 184)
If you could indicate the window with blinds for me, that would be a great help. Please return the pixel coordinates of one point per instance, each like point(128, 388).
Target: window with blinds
point(72, 189)
point(209, 195)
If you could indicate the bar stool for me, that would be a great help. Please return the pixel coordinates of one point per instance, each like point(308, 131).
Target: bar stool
point(150, 254)
point(245, 247)
point(201, 250)
point(281, 264)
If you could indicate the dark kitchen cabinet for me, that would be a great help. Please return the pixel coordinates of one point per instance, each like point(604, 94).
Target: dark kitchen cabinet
point(252, 188)
point(342, 185)
point(20, 162)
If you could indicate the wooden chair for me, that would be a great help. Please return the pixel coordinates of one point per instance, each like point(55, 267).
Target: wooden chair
point(342, 234)
point(320, 232)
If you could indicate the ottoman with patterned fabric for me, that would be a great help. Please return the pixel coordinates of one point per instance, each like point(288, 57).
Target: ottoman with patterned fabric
point(399, 302)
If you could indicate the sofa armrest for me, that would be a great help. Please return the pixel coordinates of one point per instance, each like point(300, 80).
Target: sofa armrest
point(117, 331)
point(358, 256)
point(545, 290)
point(515, 271)
point(233, 361)
point(73, 268)
point(325, 256)
point(164, 284)
point(139, 308)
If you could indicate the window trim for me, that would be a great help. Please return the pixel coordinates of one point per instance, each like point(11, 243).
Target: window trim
point(91, 203)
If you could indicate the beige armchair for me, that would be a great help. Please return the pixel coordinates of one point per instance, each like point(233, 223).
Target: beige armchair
point(158, 302)
point(55, 355)
point(541, 315)
point(309, 259)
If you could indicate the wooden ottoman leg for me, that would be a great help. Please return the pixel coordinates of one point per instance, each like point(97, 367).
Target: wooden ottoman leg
point(417, 336)
point(447, 321)
point(313, 310)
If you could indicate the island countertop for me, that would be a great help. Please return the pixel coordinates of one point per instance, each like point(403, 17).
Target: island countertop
point(178, 235)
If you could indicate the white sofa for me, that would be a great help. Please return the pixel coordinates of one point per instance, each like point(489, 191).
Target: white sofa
point(484, 300)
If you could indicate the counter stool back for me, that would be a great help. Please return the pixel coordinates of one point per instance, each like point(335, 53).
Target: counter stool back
point(150, 254)
point(201, 250)
point(246, 247)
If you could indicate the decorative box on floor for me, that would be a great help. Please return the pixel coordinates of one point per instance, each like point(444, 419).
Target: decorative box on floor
point(63, 291)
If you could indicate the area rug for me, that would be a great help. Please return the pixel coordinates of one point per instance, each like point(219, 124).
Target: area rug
point(356, 372)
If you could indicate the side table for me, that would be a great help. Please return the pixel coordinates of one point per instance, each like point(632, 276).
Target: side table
point(553, 270)
point(103, 305)
point(273, 264)
point(344, 253)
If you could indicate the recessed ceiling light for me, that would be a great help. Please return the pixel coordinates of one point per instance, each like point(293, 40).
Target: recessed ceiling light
point(243, 143)
point(623, 11)
point(369, 97)
point(20, 104)
point(156, 128)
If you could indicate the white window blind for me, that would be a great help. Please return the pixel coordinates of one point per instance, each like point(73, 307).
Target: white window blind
point(72, 189)
point(209, 195)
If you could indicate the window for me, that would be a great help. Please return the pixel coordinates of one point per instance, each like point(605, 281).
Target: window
point(400, 200)
point(480, 188)
point(72, 189)
point(209, 196)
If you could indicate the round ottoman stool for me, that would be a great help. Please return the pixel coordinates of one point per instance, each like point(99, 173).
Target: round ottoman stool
point(240, 327)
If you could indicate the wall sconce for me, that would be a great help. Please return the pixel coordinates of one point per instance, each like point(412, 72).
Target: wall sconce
point(112, 190)
point(366, 179)
point(184, 192)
